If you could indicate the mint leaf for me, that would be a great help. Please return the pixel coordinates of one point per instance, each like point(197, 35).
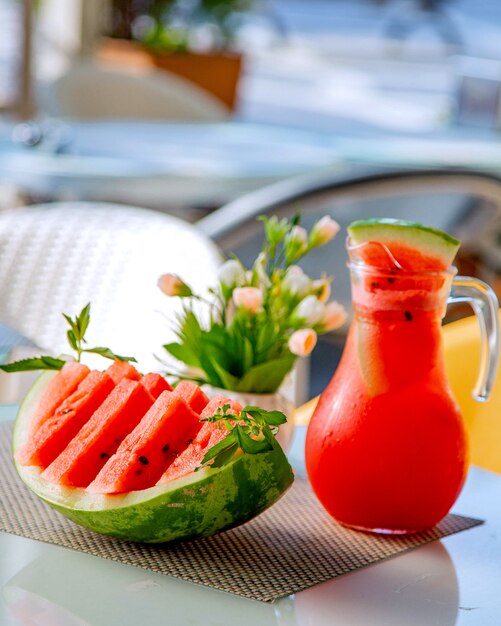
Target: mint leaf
point(83, 320)
point(218, 448)
point(252, 431)
point(33, 364)
point(72, 340)
point(225, 456)
point(73, 326)
point(108, 354)
point(248, 444)
point(273, 418)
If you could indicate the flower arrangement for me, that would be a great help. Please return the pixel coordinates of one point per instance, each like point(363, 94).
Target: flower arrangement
point(259, 320)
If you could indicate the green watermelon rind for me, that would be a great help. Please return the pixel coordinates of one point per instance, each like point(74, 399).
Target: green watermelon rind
point(429, 240)
point(197, 505)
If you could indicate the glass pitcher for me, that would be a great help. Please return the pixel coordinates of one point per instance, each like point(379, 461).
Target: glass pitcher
point(386, 449)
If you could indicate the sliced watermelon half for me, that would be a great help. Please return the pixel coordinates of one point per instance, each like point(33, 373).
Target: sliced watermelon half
point(393, 244)
point(197, 505)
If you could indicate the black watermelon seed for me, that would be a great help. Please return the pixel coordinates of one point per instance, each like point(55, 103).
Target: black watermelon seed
point(374, 284)
point(391, 279)
point(189, 441)
point(138, 472)
point(104, 455)
point(143, 460)
point(166, 448)
point(408, 316)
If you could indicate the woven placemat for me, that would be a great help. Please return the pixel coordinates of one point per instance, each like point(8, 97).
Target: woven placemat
point(292, 546)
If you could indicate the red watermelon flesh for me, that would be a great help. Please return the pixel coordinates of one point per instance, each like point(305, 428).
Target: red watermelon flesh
point(210, 434)
point(58, 430)
point(100, 437)
point(191, 393)
point(395, 256)
point(166, 429)
point(61, 386)
point(155, 384)
point(122, 369)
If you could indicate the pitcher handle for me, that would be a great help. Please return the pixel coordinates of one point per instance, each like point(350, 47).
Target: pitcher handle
point(485, 305)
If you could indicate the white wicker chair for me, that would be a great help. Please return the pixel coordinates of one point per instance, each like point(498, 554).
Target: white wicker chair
point(57, 257)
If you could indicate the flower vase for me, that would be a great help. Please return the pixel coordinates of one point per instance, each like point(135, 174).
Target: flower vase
point(267, 401)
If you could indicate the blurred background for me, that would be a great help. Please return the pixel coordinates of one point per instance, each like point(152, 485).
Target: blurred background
point(305, 85)
point(187, 106)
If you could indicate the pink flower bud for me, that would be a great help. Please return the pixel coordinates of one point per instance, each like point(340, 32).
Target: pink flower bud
point(323, 231)
point(172, 285)
point(248, 298)
point(334, 316)
point(302, 342)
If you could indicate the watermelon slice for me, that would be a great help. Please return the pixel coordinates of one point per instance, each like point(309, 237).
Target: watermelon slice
point(166, 429)
point(398, 244)
point(64, 384)
point(155, 384)
point(194, 397)
point(57, 431)
point(122, 369)
point(210, 434)
point(199, 504)
point(86, 454)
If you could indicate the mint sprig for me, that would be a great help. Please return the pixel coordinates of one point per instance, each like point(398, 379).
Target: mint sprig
point(36, 363)
point(252, 430)
point(76, 339)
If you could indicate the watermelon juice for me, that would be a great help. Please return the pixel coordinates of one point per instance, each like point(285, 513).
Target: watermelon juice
point(386, 449)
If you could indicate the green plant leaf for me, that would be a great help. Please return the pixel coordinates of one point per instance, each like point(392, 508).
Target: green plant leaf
point(266, 377)
point(33, 364)
point(182, 353)
point(108, 354)
point(228, 381)
point(247, 354)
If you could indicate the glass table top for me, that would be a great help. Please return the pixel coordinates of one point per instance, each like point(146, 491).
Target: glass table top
point(453, 581)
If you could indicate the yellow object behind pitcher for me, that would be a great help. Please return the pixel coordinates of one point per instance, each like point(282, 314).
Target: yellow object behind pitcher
point(483, 419)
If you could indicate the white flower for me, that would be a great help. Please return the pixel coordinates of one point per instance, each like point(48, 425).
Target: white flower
point(302, 342)
point(309, 311)
point(259, 270)
point(248, 298)
point(322, 289)
point(323, 231)
point(172, 285)
point(334, 316)
point(231, 273)
point(295, 243)
point(296, 282)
